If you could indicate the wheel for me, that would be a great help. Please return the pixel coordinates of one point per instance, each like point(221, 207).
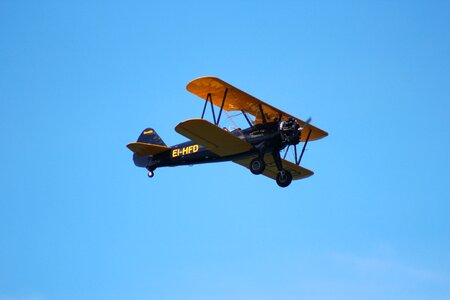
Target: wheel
point(257, 166)
point(150, 174)
point(284, 178)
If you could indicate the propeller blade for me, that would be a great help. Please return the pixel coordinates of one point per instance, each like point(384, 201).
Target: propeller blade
point(306, 123)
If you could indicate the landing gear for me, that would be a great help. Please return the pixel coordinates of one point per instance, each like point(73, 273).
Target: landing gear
point(151, 171)
point(257, 166)
point(284, 178)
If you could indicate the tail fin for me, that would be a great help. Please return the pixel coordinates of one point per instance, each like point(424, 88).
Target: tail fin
point(148, 144)
point(149, 136)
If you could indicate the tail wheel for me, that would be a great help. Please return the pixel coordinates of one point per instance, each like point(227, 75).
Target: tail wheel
point(257, 166)
point(150, 174)
point(284, 178)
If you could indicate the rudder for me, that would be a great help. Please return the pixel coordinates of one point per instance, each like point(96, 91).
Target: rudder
point(149, 136)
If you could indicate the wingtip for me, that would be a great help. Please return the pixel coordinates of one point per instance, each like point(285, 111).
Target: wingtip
point(201, 78)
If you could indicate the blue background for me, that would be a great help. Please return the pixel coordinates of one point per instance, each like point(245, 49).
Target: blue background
point(79, 80)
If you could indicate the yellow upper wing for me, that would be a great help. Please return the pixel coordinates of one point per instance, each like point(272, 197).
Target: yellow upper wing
point(240, 100)
point(212, 137)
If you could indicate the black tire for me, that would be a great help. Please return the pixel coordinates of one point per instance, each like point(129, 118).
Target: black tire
point(150, 174)
point(257, 166)
point(284, 178)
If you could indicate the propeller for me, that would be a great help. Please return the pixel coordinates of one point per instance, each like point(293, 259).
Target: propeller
point(306, 124)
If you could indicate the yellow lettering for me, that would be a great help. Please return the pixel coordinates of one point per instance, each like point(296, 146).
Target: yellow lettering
point(185, 150)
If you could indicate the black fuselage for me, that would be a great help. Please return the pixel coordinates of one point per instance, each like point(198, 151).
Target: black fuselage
point(265, 138)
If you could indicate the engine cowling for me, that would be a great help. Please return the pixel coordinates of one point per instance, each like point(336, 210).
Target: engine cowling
point(289, 130)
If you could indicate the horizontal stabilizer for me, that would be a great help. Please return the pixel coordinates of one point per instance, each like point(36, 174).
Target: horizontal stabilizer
point(212, 137)
point(144, 149)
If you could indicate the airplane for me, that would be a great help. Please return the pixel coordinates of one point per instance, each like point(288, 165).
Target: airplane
point(257, 147)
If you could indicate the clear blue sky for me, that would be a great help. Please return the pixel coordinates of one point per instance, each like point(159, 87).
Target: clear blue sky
point(79, 80)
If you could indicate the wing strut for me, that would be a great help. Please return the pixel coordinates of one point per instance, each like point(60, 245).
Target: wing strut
point(209, 99)
point(221, 107)
point(246, 117)
point(212, 108)
point(298, 159)
point(206, 103)
point(263, 116)
point(303, 150)
point(286, 152)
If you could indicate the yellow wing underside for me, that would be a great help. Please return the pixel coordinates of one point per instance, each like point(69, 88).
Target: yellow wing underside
point(237, 100)
point(271, 170)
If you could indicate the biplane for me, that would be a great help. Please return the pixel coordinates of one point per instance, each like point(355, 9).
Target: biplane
point(257, 147)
